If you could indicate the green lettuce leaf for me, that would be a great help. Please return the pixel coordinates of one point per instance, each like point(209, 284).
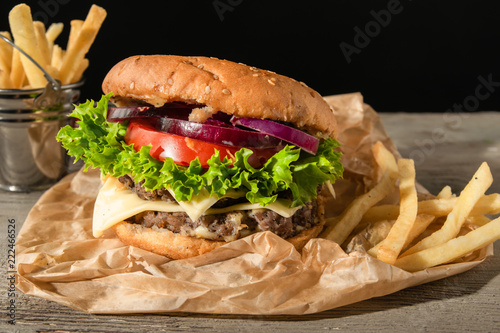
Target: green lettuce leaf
point(100, 144)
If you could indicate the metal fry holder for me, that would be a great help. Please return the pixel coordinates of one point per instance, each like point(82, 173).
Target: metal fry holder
point(30, 157)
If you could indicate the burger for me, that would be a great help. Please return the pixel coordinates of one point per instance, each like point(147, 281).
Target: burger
point(196, 152)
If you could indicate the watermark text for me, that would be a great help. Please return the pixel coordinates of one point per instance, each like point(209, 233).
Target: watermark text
point(11, 271)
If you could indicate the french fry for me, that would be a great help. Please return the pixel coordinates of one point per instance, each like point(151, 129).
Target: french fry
point(39, 43)
point(393, 244)
point(349, 219)
point(17, 74)
point(5, 62)
point(413, 220)
point(478, 220)
point(5, 54)
point(452, 249)
point(421, 223)
point(54, 72)
point(487, 204)
point(84, 64)
point(42, 42)
point(76, 51)
point(445, 193)
point(5, 82)
point(53, 31)
point(384, 158)
point(21, 25)
point(76, 26)
point(476, 187)
point(57, 56)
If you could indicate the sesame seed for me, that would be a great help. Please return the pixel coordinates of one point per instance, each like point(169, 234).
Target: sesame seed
point(226, 92)
point(271, 82)
point(216, 77)
point(170, 81)
point(200, 66)
point(207, 90)
point(132, 85)
point(255, 74)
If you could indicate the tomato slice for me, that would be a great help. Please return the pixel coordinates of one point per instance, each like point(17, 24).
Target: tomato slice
point(182, 149)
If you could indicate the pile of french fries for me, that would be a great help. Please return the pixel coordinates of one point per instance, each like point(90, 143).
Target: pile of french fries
point(419, 234)
point(18, 72)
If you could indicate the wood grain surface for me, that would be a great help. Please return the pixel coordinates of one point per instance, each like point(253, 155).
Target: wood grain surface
point(447, 149)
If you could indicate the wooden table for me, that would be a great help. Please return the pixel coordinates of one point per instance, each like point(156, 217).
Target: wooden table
point(447, 149)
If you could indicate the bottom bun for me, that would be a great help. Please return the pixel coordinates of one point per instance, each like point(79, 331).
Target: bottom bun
point(175, 246)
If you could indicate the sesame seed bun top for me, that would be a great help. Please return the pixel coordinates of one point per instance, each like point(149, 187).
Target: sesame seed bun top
point(220, 85)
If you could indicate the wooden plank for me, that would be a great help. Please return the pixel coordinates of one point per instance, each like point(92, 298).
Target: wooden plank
point(466, 302)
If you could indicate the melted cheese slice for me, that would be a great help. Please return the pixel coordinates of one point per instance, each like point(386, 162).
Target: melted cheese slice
point(116, 203)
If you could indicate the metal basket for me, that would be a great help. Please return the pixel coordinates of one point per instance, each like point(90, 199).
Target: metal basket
point(30, 157)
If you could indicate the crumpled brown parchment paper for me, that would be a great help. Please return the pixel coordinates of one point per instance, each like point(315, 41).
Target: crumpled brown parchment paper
point(59, 259)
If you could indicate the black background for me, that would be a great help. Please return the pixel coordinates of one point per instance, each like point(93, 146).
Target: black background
point(425, 56)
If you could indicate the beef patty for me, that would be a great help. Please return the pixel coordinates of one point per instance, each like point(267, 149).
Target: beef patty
point(227, 226)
